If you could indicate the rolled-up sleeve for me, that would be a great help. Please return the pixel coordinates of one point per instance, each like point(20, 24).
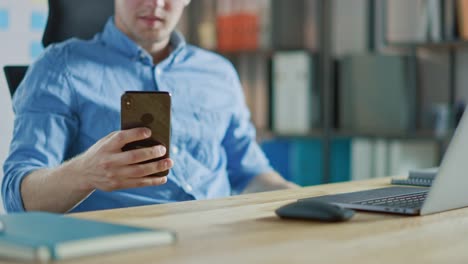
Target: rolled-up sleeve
point(44, 124)
point(245, 157)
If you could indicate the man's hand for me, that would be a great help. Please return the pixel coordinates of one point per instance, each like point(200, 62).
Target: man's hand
point(105, 167)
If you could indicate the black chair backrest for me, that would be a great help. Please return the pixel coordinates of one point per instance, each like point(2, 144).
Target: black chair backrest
point(81, 19)
point(14, 75)
point(67, 18)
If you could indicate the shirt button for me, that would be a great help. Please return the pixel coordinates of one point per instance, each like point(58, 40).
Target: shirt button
point(158, 71)
point(188, 187)
point(175, 150)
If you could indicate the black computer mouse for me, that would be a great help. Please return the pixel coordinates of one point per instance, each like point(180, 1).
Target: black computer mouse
point(315, 210)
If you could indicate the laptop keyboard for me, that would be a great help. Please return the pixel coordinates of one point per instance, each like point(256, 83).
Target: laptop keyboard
point(403, 201)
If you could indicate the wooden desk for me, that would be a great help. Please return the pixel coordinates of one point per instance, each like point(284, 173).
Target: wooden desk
point(244, 229)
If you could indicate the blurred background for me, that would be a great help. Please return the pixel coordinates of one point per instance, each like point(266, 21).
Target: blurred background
point(339, 90)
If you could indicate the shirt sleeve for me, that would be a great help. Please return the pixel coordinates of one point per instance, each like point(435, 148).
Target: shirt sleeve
point(44, 124)
point(245, 157)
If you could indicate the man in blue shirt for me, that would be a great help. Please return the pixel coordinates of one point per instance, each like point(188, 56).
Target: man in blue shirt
point(66, 149)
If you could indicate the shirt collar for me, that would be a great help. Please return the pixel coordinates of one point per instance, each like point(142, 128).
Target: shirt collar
point(115, 38)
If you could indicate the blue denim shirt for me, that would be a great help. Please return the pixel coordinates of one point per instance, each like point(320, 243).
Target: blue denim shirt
point(70, 98)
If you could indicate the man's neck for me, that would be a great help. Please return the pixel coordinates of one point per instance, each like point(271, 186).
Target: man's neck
point(159, 51)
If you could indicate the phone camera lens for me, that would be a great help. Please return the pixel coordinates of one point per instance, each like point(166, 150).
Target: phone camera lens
point(128, 102)
point(147, 118)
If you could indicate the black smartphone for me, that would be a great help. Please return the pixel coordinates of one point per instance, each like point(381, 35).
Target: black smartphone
point(152, 110)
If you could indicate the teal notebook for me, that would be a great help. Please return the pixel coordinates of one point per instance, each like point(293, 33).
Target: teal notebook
point(43, 237)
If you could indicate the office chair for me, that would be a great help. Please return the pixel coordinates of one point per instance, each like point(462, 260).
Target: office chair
point(14, 75)
point(81, 19)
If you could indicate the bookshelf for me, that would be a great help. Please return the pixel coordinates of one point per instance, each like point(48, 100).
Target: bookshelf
point(304, 33)
point(448, 36)
point(269, 134)
point(318, 29)
point(430, 45)
point(419, 135)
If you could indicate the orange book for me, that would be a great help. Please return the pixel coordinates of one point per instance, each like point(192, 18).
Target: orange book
point(237, 26)
point(224, 25)
point(238, 35)
point(238, 22)
point(248, 25)
point(221, 27)
point(252, 31)
point(463, 18)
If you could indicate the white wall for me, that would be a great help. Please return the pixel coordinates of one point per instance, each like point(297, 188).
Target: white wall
point(6, 122)
point(19, 44)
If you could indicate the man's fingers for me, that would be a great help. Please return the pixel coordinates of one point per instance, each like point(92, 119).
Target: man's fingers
point(123, 137)
point(146, 169)
point(112, 185)
point(145, 181)
point(135, 156)
point(139, 170)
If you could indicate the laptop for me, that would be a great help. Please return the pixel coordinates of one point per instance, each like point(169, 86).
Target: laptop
point(448, 191)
